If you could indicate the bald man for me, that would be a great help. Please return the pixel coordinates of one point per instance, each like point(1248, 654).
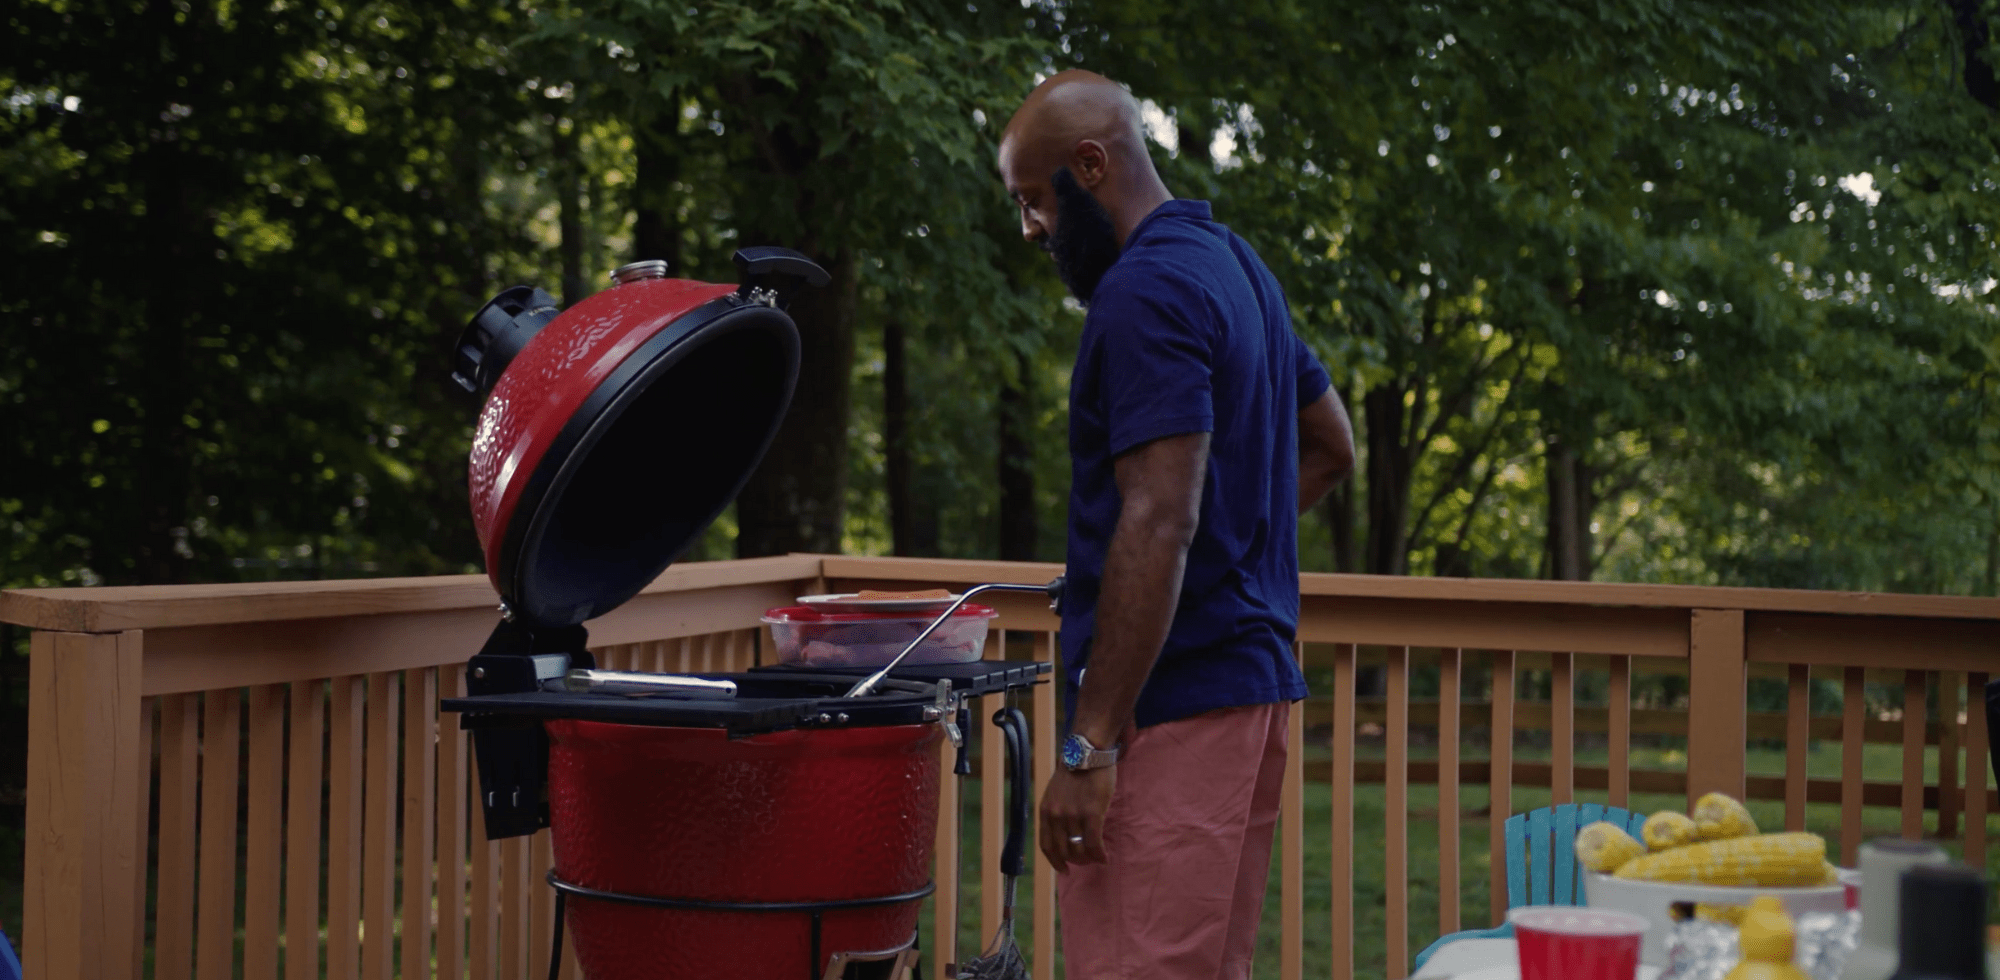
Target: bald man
point(1200, 427)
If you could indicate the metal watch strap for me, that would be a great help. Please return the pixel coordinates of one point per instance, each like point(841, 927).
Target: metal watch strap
point(1095, 758)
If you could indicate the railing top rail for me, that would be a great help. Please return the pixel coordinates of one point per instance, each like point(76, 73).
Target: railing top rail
point(948, 571)
point(1650, 596)
point(113, 608)
point(107, 609)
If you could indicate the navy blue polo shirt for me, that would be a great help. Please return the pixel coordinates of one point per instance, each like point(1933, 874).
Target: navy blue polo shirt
point(1188, 332)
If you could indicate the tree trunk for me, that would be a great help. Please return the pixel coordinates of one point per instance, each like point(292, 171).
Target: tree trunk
point(897, 441)
point(1568, 479)
point(176, 238)
point(1340, 517)
point(1388, 468)
point(796, 499)
point(655, 234)
point(1992, 562)
point(1980, 82)
point(1019, 530)
point(570, 221)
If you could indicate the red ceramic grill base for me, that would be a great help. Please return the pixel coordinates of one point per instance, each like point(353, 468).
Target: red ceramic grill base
point(796, 816)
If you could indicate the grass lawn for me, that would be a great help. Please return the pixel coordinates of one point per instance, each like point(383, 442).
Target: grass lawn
point(1881, 762)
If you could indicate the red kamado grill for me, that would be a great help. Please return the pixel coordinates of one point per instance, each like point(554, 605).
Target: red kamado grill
point(771, 824)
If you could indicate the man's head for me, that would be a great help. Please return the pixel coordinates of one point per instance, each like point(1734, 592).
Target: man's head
point(1074, 160)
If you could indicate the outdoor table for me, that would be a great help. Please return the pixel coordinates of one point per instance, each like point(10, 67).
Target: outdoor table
point(1487, 959)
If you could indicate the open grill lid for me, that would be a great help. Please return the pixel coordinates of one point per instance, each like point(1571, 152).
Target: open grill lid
point(617, 430)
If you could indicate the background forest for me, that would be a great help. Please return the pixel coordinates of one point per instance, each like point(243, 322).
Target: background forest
point(1647, 290)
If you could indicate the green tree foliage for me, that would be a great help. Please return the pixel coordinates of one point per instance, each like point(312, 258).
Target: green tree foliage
point(1639, 290)
point(1720, 272)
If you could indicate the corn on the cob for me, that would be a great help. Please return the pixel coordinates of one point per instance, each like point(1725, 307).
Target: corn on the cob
point(1604, 846)
point(1729, 915)
point(1767, 861)
point(1717, 817)
point(1666, 829)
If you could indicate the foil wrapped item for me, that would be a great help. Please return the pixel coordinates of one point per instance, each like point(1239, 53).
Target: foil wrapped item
point(1698, 949)
point(1823, 940)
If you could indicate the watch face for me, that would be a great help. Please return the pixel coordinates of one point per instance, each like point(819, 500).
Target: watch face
point(1074, 751)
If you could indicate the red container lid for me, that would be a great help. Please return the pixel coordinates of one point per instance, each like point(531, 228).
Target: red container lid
point(807, 614)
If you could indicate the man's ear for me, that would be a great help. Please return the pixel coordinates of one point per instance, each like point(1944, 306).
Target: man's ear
point(1089, 163)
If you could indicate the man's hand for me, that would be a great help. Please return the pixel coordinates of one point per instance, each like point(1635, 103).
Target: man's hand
point(1073, 806)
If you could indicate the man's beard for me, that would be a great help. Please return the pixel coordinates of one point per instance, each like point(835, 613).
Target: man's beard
point(1084, 243)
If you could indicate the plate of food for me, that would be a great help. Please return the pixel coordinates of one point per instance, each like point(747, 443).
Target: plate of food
point(871, 600)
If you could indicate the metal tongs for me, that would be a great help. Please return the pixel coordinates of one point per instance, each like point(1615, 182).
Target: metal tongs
point(867, 684)
point(637, 685)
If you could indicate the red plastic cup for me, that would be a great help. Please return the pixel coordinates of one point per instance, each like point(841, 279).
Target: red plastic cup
point(1560, 942)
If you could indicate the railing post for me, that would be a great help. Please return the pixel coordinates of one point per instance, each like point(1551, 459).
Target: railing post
point(85, 756)
point(1718, 699)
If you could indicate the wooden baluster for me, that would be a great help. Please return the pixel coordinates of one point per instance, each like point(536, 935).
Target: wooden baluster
point(1717, 695)
point(1914, 724)
point(1043, 952)
point(1449, 661)
point(1500, 780)
point(1562, 728)
point(420, 698)
point(992, 784)
point(378, 844)
point(482, 927)
point(180, 758)
point(1396, 814)
point(302, 827)
point(451, 829)
point(344, 822)
point(140, 833)
point(1798, 738)
point(264, 848)
point(1291, 827)
point(1341, 773)
point(541, 903)
point(1976, 769)
point(1619, 761)
point(1949, 802)
point(215, 927)
point(1853, 722)
point(944, 921)
point(514, 887)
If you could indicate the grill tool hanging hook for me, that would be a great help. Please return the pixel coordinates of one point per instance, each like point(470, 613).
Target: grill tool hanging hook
point(867, 684)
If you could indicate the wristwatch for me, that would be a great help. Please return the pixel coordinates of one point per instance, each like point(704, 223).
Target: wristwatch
point(1079, 755)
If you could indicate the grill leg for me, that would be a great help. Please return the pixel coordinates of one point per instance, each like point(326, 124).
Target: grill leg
point(555, 947)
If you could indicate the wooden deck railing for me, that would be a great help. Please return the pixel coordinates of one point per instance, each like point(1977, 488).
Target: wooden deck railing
point(254, 780)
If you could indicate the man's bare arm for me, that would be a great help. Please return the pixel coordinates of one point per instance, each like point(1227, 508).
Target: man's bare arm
point(1326, 448)
point(1159, 486)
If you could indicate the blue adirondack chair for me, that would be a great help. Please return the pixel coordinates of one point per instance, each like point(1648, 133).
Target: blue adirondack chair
point(10, 965)
point(1541, 862)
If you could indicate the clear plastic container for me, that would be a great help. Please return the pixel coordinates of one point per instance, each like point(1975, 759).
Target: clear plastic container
point(812, 638)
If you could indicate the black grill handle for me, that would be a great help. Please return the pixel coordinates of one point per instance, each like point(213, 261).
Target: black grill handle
point(779, 272)
point(1014, 727)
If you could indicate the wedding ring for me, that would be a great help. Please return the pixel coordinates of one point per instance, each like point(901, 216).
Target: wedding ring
point(1076, 840)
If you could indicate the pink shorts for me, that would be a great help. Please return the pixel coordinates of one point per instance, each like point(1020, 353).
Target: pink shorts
point(1188, 839)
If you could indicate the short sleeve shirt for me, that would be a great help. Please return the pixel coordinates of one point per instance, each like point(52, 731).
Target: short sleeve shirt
point(1189, 332)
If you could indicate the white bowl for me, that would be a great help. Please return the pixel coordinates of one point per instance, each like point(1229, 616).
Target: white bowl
point(1652, 900)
